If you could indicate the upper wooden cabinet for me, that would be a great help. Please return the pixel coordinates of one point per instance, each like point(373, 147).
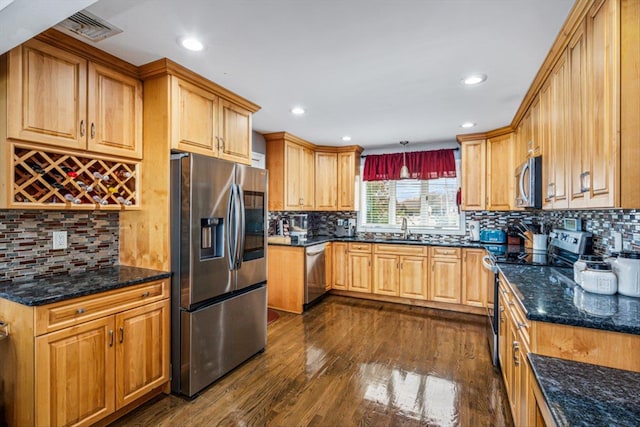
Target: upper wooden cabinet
point(487, 172)
point(62, 99)
point(205, 123)
point(474, 154)
point(326, 181)
point(303, 176)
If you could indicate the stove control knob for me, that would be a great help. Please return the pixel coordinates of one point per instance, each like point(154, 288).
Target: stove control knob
point(575, 240)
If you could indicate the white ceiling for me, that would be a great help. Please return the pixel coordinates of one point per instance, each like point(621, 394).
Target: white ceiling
point(380, 71)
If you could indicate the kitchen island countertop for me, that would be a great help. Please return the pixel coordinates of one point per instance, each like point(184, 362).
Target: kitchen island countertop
point(60, 287)
point(580, 394)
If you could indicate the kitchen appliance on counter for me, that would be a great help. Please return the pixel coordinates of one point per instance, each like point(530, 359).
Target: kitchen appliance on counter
point(299, 227)
point(627, 269)
point(528, 183)
point(564, 248)
point(345, 228)
point(218, 258)
point(493, 236)
point(474, 230)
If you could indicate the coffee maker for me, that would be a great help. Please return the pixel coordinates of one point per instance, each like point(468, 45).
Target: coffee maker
point(345, 228)
point(298, 227)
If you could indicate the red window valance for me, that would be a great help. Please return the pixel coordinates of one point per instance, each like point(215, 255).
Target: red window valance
point(421, 164)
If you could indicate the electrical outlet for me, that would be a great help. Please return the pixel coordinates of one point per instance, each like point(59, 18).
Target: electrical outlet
point(59, 240)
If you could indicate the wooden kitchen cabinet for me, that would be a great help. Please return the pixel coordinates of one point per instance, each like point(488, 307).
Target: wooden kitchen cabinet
point(359, 267)
point(475, 278)
point(400, 270)
point(286, 275)
point(205, 123)
point(59, 98)
point(473, 170)
point(291, 165)
point(75, 379)
point(348, 171)
point(445, 276)
point(499, 172)
point(80, 360)
point(340, 265)
point(328, 253)
point(326, 181)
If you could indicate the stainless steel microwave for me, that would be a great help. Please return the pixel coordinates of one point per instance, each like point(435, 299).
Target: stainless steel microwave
point(528, 185)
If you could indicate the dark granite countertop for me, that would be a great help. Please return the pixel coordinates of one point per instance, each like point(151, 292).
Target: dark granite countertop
point(323, 239)
point(47, 290)
point(548, 294)
point(580, 394)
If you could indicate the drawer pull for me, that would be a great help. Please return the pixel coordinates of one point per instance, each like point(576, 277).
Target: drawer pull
point(521, 325)
point(4, 330)
point(80, 310)
point(121, 334)
point(146, 294)
point(110, 337)
point(510, 302)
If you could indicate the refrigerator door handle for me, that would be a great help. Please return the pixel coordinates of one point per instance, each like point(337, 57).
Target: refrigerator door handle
point(241, 235)
point(230, 234)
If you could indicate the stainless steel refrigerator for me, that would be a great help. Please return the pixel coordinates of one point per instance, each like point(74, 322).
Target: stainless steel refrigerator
point(218, 256)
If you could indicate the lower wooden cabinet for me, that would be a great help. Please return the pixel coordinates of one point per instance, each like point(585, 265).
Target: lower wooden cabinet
point(340, 265)
point(445, 275)
point(400, 270)
point(359, 272)
point(475, 278)
point(386, 274)
point(78, 361)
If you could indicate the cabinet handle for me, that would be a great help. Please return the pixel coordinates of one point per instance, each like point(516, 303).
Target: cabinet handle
point(222, 143)
point(400, 266)
point(80, 310)
point(217, 143)
point(82, 128)
point(585, 181)
point(146, 294)
point(521, 325)
point(93, 130)
point(516, 348)
point(510, 303)
point(433, 266)
point(110, 337)
point(121, 334)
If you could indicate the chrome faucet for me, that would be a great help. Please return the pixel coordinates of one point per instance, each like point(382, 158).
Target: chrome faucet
point(405, 231)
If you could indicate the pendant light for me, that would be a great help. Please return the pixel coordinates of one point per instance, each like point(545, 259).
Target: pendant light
point(404, 171)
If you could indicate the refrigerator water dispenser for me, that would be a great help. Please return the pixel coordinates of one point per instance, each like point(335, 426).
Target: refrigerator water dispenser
point(211, 238)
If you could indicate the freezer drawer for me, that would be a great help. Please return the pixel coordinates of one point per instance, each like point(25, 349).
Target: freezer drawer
point(217, 338)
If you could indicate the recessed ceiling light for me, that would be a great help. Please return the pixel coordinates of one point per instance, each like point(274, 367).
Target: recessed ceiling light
point(191, 43)
point(474, 79)
point(346, 138)
point(467, 125)
point(298, 111)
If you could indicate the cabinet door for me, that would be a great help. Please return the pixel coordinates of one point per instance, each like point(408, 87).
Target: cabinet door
point(75, 374)
point(328, 253)
point(473, 174)
point(559, 133)
point(475, 278)
point(534, 146)
point(194, 118)
point(340, 265)
point(386, 274)
point(326, 181)
point(502, 335)
point(500, 172)
point(602, 71)
point(547, 144)
point(235, 133)
point(413, 277)
point(47, 92)
point(578, 134)
point(360, 272)
point(292, 176)
point(114, 112)
point(445, 280)
point(307, 178)
point(347, 172)
point(142, 351)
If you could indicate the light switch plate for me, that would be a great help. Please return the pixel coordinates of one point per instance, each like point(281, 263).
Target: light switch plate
point(59, 240)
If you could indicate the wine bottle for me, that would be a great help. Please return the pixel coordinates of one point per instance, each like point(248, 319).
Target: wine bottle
point(124, 201)
point(99, 200)
point(70, 197)
point(85, 187)
point(70, 172)
point(35, 167)
point(123, 174)
point(100, 176)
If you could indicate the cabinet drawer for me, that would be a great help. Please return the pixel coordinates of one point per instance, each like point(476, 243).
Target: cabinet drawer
point(446, 252)
point(52, 317)
point(401, 249)
point(360, 247)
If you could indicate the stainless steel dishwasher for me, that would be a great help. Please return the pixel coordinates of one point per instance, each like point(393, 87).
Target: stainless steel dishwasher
point(315, 279)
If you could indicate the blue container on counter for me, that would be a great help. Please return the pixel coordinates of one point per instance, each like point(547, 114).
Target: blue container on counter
point(493, 236)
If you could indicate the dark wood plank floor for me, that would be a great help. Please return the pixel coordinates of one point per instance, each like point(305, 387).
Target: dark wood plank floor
point(349, 362)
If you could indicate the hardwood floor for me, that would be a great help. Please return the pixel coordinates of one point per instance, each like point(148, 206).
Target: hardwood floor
point(350, 362)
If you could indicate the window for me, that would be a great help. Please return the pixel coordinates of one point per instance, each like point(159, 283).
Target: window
point(429, 206)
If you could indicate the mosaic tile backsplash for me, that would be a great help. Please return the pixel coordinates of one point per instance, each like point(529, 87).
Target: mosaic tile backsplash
point(26, 242)
point(602, 223)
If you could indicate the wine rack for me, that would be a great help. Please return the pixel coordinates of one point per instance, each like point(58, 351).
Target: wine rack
point(57, 179)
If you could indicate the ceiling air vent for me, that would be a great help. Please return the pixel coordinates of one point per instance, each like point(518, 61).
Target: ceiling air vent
point(89, 26)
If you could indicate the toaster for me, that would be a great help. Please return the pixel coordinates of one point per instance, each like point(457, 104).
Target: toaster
point(493, 236)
